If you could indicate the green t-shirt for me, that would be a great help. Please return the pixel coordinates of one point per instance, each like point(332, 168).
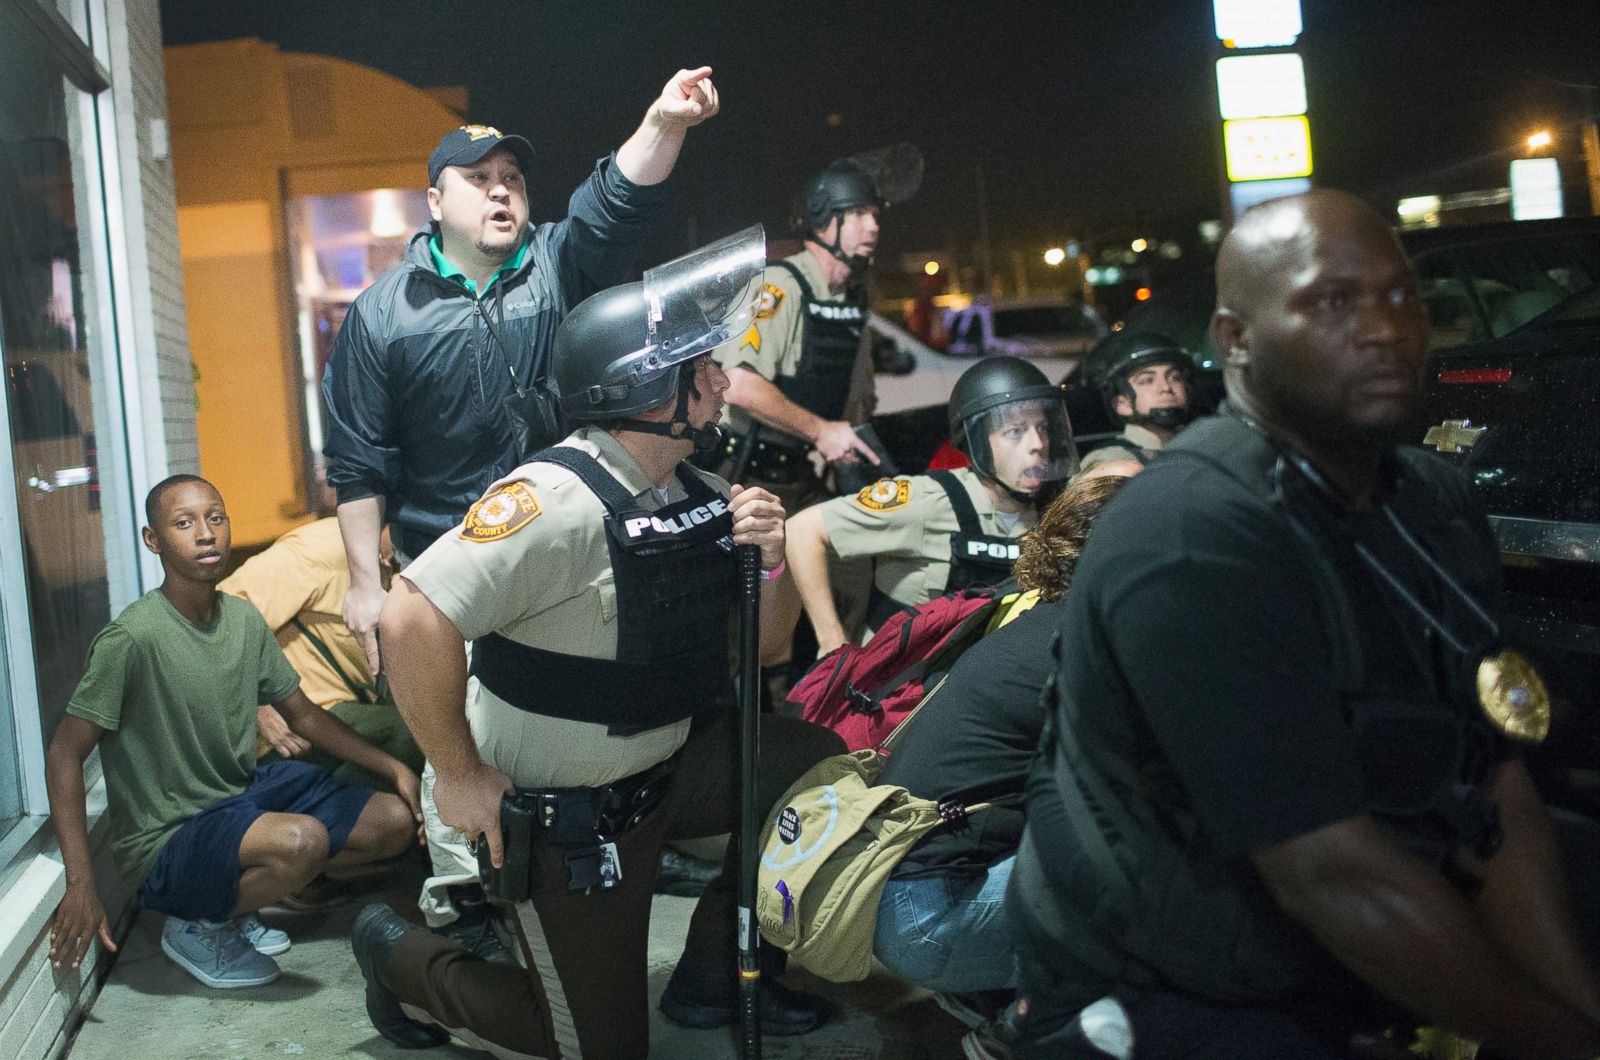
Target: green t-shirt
point(178, 702)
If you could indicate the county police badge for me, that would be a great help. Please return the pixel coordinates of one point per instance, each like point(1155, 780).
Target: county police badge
point(885, 495)
point(500, 514)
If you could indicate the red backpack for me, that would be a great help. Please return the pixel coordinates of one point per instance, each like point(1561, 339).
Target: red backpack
point(864, 693)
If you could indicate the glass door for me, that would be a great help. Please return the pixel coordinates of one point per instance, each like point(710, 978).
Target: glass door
point(49, 402)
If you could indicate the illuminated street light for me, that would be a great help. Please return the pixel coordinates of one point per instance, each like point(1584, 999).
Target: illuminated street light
point(931, 268)
point(1054, 256)
point(1142, 294)
point(1139, 246)
point(1539, 139)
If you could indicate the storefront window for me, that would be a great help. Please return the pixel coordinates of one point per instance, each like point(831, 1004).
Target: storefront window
point(43, 336)
point(340, 244)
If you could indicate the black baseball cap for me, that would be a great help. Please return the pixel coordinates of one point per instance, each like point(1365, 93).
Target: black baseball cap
point(464, 146)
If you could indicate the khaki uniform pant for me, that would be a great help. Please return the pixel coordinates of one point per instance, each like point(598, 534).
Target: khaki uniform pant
point(584, 990)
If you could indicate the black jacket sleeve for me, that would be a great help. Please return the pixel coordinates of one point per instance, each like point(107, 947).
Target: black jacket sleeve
point(363, 459)
point(606, 219)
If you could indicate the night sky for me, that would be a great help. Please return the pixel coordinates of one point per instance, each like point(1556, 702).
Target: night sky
point(1090, 119)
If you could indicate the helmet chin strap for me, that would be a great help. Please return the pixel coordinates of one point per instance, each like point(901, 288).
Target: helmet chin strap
point(1166, 418)
point(706, 438)
point(857, 263)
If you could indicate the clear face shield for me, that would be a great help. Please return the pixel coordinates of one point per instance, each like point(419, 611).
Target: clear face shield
point(1023, 445)
point(701, 300)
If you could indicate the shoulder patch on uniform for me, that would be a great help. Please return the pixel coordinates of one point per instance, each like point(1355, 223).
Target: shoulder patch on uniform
point(767, 303)
point(501, 513)
point(885, 495)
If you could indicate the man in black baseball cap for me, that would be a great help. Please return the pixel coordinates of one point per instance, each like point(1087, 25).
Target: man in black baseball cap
point(435, 385)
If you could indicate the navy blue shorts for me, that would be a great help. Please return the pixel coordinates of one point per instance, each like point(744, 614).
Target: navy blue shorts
point(196, 875)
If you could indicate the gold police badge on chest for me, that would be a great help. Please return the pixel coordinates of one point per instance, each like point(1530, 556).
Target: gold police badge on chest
point(1514, 696)
point(500, 514)
point(885, 495)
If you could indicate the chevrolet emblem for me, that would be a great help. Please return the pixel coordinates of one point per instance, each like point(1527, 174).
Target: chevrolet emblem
point(1452, 436)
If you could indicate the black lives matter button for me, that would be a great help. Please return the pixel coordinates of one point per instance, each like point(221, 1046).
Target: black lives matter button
point(789, 825)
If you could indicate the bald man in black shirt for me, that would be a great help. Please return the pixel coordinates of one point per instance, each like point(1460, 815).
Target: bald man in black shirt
point(1270, 804)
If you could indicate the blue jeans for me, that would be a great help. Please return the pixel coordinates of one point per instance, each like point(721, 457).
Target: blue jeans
point(948, 933)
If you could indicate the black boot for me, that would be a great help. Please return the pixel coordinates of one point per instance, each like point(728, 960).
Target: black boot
point(704, 996)
point(684, 876)
point(473, 926)
point(376, 930)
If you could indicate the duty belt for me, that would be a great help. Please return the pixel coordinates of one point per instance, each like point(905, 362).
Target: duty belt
point(766, 460)
point(579, 822)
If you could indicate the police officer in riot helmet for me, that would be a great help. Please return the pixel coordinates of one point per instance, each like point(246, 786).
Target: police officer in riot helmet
point(1012, 424)
point(1148, 389)
point(926, 535)
point(801, 375)
point(597, 582)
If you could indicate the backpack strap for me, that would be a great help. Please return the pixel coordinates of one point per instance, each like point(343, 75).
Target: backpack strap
point(867, 701)
point(966, 513)
point(363, 693)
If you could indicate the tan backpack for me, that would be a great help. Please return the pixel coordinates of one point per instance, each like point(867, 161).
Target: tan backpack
point(827, 853)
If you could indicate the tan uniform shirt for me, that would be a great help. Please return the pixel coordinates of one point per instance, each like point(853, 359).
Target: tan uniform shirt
point(1135, 443)
point(905, 525)
point(771, 348)
point(531, 562)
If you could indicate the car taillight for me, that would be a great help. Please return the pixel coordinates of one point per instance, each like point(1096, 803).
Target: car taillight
point(1476, 375)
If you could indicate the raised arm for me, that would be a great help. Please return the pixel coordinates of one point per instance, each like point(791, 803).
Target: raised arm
point(80, 918)
point(649, 155)
point(1397, 924)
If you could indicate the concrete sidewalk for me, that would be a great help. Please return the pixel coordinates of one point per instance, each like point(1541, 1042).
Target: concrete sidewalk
point(149, 1009)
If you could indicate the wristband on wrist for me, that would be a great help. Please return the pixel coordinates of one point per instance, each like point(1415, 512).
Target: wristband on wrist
point(776, 572)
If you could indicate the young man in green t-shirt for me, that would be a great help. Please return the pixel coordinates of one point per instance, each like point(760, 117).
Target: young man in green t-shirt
point(170, 697)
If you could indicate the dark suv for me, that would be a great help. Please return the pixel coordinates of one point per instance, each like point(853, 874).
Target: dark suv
point(1513, 397)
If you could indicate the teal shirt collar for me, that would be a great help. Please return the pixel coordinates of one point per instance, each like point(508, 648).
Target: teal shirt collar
point(448, 270)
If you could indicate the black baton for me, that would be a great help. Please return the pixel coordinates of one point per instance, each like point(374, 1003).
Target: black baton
point(749, 812)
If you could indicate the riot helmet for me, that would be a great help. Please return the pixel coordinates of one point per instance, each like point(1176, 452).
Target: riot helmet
point(1012, 423)
point(621, 351)
point(878, 179)
point(1142, 350)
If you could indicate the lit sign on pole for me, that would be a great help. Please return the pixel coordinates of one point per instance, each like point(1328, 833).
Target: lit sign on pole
point(1261, 86)
point(1252, 192)
point(1257, 23)
point(1535, 188)
point(1267, 148)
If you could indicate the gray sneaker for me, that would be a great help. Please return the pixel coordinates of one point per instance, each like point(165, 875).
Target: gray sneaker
point(217, 954)
point(269, 941)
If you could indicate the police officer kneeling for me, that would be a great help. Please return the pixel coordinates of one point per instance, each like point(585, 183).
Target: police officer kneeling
point(597, 582)
point(1279, 799)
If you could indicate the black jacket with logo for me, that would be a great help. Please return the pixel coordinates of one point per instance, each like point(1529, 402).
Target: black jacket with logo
point(416, 384)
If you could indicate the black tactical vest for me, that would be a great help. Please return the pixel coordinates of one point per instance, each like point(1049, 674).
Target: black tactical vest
point(976, 558)
point(675, 577)
point(1144, 900)
point(829, 341)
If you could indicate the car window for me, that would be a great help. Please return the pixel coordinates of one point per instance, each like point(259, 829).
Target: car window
point(1488, 289)
point(1041, 320)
